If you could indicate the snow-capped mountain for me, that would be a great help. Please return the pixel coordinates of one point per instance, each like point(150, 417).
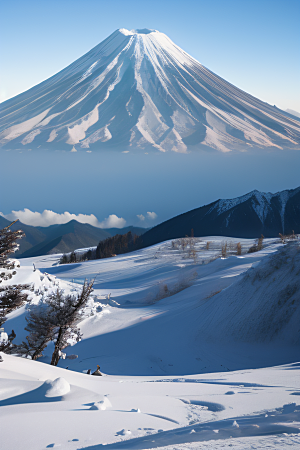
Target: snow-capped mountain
point(139, 90)
point(247, 216)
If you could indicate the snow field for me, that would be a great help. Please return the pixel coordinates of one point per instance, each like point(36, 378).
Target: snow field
point(151, 410)
point(180, 363)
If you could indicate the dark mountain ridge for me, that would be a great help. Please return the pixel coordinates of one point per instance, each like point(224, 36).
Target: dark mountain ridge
point(247, 216)
point(62, 238)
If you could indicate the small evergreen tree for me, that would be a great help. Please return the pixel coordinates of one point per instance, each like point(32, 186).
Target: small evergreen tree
point(89, 255)
point(11, 296)
point(73, 257)
point(8, 245)
point(64, 259)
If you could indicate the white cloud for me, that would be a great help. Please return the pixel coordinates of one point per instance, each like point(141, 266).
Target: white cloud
point(140, 216)
point(113, 221)
point(73, 150)
point(48, 217)
point(151, 215)
point(126, 151)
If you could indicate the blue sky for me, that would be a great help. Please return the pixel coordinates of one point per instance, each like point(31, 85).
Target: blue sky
point(253, 44)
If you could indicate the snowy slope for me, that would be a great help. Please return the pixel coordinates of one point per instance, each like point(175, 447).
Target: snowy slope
point(176, 313)
point(179, 311)
point(139, 90)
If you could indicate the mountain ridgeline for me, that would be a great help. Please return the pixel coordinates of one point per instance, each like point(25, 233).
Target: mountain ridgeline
point(62, 238)
point(137, 90)
point(247, 216)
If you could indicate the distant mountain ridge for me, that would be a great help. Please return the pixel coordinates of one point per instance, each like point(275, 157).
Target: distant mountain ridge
point(292, 111)
point(247, 216)
point(138, 90)
point(62, 238)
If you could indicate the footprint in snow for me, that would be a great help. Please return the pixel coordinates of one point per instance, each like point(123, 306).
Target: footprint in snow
point(123, 432)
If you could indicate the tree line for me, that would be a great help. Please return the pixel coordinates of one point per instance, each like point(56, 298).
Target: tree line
point(112, 246)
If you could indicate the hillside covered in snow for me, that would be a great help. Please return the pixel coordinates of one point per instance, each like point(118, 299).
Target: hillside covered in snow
point(187, 335)
point(138, 90)
point(172, 306)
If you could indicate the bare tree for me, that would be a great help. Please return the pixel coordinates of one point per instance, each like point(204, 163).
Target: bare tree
point(41, 331)
point(66, 313)
point(55, 319)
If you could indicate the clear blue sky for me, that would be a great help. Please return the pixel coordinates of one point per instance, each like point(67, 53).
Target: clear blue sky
point(253, 44)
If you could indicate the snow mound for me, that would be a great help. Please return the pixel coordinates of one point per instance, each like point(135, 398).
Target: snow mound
point(57, 387)
point(101, 405)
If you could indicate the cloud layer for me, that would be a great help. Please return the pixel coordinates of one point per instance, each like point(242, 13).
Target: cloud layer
point(48, 217)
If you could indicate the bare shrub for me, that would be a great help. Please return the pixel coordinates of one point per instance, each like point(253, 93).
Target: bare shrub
point(208, 244)
point(238, 248)
point(260, 242)
point(224, 249)
point(258, 246)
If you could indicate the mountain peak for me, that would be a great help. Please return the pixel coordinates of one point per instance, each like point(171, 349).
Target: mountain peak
point(138, 90)
point(133, 32)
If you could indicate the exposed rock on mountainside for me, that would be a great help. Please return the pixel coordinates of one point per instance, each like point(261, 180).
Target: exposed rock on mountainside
point(247, 216)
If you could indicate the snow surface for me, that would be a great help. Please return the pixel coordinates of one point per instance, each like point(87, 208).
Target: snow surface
point(184, 339)
point(138, 89)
